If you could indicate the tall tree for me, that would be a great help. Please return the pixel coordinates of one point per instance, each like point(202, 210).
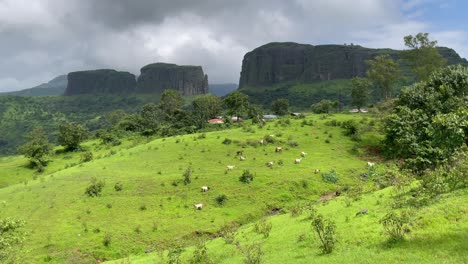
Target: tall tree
point(360, 92)
point(205, 107)
point(384, 72)
point(37, 148)
point(422, 55)
point(171, 100)
point(71, 135)
point(280, 106)
point(237, 103)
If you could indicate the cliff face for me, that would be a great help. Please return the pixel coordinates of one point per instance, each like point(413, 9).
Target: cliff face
point(100, 82)
point(157, 77)
point(284, 62)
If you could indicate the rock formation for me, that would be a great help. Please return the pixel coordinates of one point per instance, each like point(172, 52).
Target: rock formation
point(100, 82)
point(157, 77)
point(275, 63)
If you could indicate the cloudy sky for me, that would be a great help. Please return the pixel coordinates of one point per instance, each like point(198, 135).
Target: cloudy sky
point(40, 39)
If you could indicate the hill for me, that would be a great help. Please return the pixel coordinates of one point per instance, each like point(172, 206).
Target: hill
point(55, 86)
point(153, 209)
point(222, 89)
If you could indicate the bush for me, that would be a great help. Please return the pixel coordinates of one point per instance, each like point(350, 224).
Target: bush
point(253, 254)
point(187, 175)
point(263, 227)
point(173, 255)
point(293, 144)
point(228, 234)
point(269, 139)
point(200, 254)
point(247, 177)
point(118, 186)
point(227, 141)
point(330, 177)
point(86, 156)
point(221, 199)
point(95, 188)
point(107, 240)
point(351, 130)
point(325, 230)
point(396, 225)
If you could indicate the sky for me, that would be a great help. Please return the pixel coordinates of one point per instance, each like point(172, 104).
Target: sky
point(42, 39)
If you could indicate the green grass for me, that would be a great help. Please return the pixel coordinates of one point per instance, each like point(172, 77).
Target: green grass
point(439, 235)
point(58, 213)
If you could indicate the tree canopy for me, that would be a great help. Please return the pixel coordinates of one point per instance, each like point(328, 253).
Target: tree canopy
point(360, 92)
point(237, 103)
point(37, 148)
point(384, 72)
point(280, 106)
point(71, 135)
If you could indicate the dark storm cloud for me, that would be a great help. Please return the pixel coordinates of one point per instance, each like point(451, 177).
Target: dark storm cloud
point(44, 38)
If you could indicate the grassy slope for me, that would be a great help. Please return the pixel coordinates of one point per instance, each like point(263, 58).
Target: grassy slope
point(439, 235)
point(57, 210)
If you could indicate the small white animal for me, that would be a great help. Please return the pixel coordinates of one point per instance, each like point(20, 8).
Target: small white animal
point(198, 206)
point(230, 167)
point(261, 141)
point(297, 161)
point(205, 188)
point(303, 154)
point(270, 164)
point(278, 149)
point(242, 158)
point(317, 171)
point(370, 164)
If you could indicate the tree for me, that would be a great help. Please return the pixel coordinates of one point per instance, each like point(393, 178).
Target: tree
point(325, 230)
point(151, 118)
point(430, 121)
point(360, 92)
point(324, 106)
point(280, 106)
point(205, 107)
point(384, 73)
point(71, 135)
point(237, 103)
point(256, 113)
point(37, 148)
point(171, 100)
point(422, 55)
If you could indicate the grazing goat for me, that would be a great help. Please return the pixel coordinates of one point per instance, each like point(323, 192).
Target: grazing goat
point(297, 161)
point(261, 141)
point(278, 149)
point(240, 152)
point(242, 158)
point(303, 154)
point(270, 164)
point(317, 171)
point(370, 164)
point(198, 206)
point(205, 188)
point(230, 167)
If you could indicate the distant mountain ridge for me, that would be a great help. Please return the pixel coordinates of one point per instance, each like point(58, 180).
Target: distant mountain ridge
point(56, 86)
point(281, 62)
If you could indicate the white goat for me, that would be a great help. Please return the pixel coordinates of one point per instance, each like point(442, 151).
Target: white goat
point(370, 164)
point(230, 167)
point(205, 188)
point(198, 206)
point(303, 154)
point(270, 164)
point(297, 161)
point(242, 158)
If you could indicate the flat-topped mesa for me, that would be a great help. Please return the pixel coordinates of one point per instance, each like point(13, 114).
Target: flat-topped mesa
point(100, 82)
point(157, 77)
point(275, 63)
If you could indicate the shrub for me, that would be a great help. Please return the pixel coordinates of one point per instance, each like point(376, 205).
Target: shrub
point(173, 255)
point(107, 240)
point(293, 144)
point(200, 254)
point(95, 188)
point(253, 254)
point(187, 175)
point(143, 207)
point(86, 156)
point(247, 177)
point(227, 141)
point(269, 139)
point(325, 230)
point(228, 234)
point(221, 199)
point(296, 211)
point(330, 177)
point(263, 227)
point(351, 130)
point(396, 225)
point(118, 186)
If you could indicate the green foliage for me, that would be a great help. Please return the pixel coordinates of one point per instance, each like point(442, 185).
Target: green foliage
point(253, 254)
point(360, 92)
point(227, 141)
point(430, 121)
point(237, 103)
point(173, 255)
point(263, 227)
point(221, 199)
point(200, 254)
point(86, 156)
point(187, 175)
point(325, 230)
point(71, 135)
point(384, 72)
point(10, 237)
point(206, 107)
point(118, 186)
point(324, 106)
point(246, 177)
point(280, 106)
point(422, 56)
point(107, 240)
point(396, 224)
point(37, 149)
point(352, 129)
point(330, 177)
point(171, 100)
point(94, 189)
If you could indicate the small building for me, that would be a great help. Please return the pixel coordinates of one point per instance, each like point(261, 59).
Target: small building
point(269, 116)
point(235, 119)
point(355, 110)
point(296, 114)
point(216, 121)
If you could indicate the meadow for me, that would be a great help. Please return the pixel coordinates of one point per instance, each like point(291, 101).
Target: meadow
point(154, 210)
